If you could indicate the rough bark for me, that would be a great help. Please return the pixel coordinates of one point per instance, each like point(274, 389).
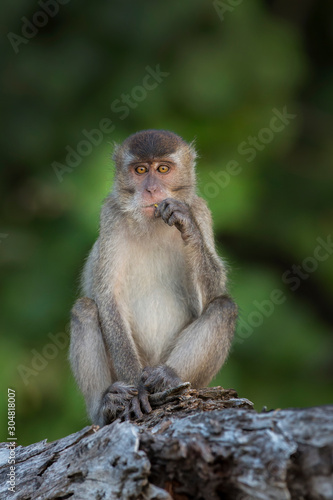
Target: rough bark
point(205, 444)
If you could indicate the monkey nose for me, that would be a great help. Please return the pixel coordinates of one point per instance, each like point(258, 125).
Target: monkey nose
point(151, 189)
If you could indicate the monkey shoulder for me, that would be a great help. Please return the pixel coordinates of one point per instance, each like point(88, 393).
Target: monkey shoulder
point(205, 223)
point(89, 269)
point(200, 207)
point(109, 211)
point(203, 216)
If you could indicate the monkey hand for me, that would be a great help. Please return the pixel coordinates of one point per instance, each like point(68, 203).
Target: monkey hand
point(116, 400)
point(159, 378)
point(177, 213)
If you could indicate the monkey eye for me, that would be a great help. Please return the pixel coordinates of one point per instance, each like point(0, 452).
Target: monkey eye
point(141, 169)
point(163, 169)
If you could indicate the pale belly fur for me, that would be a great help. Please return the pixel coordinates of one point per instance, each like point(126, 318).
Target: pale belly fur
point(155, 293)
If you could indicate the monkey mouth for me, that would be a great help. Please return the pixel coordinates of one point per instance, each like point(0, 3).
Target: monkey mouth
point(149, 210)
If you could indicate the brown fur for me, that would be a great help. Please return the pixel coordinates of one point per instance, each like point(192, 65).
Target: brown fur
point(151, 144)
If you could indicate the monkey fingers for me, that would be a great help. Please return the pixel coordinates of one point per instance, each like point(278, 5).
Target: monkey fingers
point(177, 213)
point(166, 207)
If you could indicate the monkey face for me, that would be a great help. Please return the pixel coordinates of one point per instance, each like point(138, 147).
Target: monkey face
point(151, 166)
point(153, 182)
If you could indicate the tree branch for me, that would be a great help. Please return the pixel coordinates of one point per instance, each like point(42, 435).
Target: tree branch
point(197, 444)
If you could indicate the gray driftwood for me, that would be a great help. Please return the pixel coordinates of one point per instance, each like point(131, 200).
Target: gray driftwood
point(205, 444)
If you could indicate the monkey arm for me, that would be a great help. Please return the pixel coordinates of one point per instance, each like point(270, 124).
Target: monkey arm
point(207, 270)
point(202, 347)
point(119, 342)
point(208, 274)
point(125, 362)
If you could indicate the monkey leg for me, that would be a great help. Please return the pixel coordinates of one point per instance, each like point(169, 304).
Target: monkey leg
point(202, 347)
point(92, 367)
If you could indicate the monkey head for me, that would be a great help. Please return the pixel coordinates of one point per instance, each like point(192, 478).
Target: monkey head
point(153, 165)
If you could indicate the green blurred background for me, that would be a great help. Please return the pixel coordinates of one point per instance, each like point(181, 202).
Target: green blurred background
point(229, 66)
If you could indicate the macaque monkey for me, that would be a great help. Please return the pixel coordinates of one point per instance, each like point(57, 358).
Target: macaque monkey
point(155, 311)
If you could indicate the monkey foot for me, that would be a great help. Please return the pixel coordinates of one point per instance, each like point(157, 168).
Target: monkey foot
point(160, 398)
point(159, 378)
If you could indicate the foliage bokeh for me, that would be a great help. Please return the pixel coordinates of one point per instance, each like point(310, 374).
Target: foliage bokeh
point(225, 78)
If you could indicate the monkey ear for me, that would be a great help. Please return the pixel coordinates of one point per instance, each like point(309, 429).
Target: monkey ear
point(121, 155)
point(193, 151)
point(116, 151)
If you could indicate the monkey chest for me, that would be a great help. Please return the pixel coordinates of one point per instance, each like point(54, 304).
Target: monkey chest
point(154, 289)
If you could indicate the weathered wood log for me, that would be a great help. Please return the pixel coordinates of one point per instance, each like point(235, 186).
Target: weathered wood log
point(204, 444)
